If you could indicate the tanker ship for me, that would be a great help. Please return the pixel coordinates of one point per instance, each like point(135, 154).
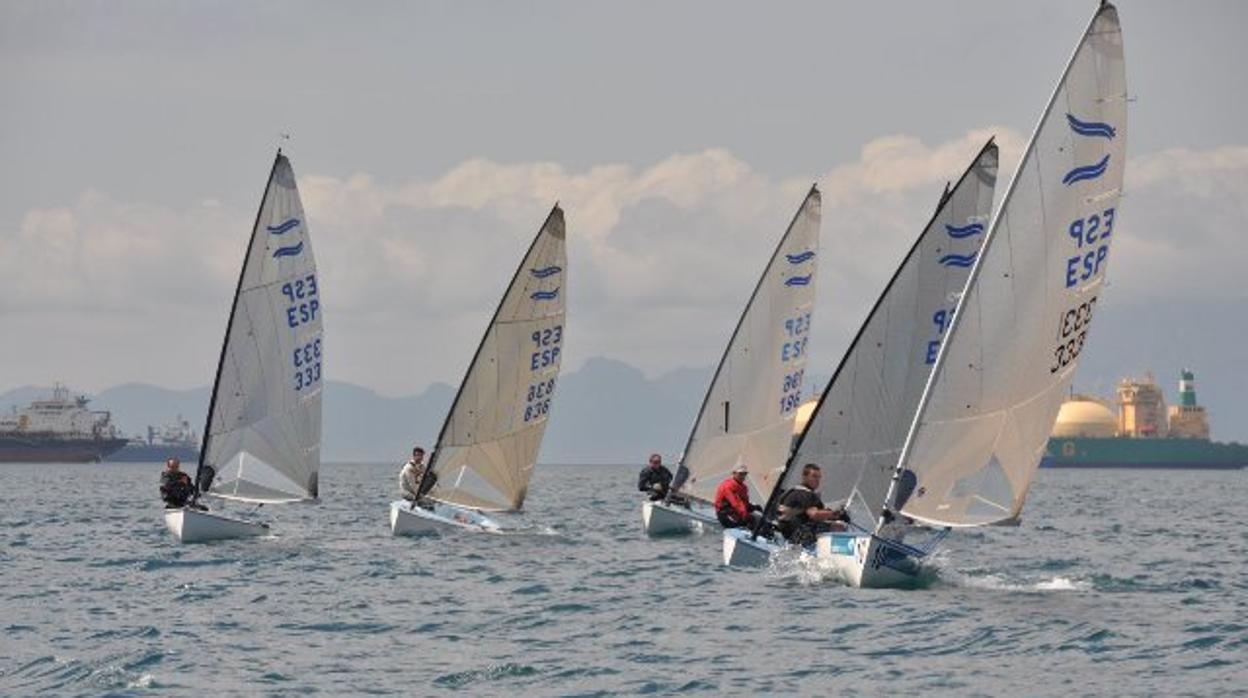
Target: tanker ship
point(59, 429)
point(1141, 433)
point(177, 440)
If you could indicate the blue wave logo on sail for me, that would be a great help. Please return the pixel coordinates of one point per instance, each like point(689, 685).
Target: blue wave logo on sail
point(800, 258)
point(964, 231)
point(283, 227)
point(958, 260)
point(545, 272)
point(289, 251)
point(798, 280)
point(1094, 129)
point(1086, 172)
point(545, 295)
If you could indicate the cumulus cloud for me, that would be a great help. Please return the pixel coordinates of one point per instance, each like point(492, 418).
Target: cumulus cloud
point(1184, 218)
point(661, 257)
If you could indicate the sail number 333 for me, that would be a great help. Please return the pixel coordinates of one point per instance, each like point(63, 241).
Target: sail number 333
point(307, 364)
point(1071, 333)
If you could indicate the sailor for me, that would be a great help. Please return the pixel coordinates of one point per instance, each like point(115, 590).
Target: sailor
point(654, 478)
point(732, 501)
point(802, 513)
point(413, 475)
point(176, 488)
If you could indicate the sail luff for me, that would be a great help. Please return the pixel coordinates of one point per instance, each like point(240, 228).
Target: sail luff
point(229, 323)
point(683, 472)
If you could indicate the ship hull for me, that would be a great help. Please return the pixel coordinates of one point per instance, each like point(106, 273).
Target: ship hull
point(1176, 454)
point(33, 449)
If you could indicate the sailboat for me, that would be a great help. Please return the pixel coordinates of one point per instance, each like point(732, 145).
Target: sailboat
point(748, 412)
point(488, 445)
point(1010, 353)
point(860, 422)
point(262, 440)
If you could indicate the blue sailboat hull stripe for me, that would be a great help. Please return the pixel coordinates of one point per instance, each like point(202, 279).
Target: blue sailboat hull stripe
point(1095, 129)
point(1086, 172)
point(545, 272)
point(963, 231)
point(282, 227)
point(290, 251)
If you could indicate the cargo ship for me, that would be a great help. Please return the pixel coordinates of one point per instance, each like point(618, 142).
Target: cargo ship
point(176, 440)
point(1141, 433)
point(59, 429)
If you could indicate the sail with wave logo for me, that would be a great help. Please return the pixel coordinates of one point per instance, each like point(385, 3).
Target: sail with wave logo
point(262, 442)
point(861, 421)
point(1023, 321)
point(747, 415)
point(489, 443)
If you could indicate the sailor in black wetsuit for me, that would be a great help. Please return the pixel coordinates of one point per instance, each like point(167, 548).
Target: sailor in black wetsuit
point(654, 478)
point(802, 513)
point(176, 488)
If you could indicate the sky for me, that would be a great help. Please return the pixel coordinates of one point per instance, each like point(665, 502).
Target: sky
point(430, 139)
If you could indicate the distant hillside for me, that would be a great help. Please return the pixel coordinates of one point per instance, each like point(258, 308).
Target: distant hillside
point(607, 412)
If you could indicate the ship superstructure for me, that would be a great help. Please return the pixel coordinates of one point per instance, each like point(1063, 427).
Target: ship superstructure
point(1142, 433)
point(175, 440)
point(57, 429)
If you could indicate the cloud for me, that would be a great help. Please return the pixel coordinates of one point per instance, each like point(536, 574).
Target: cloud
point(1183, 219)
point(662, 257)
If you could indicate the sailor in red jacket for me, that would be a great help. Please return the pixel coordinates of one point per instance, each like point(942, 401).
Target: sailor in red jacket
point(732, 501)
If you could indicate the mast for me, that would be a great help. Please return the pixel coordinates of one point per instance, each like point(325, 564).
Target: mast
point(773, 501)
point(682, 471)
point(229, 325)
point(437, 449)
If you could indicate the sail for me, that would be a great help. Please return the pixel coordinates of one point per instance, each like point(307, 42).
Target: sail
point(263, 437)
point(1024, 319)
point(864, 415)
point(489, 443)
point(747, 415)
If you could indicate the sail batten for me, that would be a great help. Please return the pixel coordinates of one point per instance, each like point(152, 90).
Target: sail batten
point(747, 414)
point(263, 432)
point(859, 425)
point(1023, 320)
point(488, 445)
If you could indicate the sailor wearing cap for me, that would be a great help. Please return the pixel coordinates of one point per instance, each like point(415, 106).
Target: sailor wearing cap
point(732, 501)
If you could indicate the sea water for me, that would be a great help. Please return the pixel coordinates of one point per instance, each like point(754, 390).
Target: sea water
point(1116, 582)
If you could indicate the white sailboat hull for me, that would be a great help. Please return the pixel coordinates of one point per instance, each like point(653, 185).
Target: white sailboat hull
point(663, 519)
point(406, 520)
point(865, 561)
point(743, 549)
point(196, 526)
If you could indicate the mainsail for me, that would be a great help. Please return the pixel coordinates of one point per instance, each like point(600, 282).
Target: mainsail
point(1023, 320)
point(262, 442)
point(860, 424)
point(488, 446)
point(747, 415)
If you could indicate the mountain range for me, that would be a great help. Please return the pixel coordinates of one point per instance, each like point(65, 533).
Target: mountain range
point(605, 412)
